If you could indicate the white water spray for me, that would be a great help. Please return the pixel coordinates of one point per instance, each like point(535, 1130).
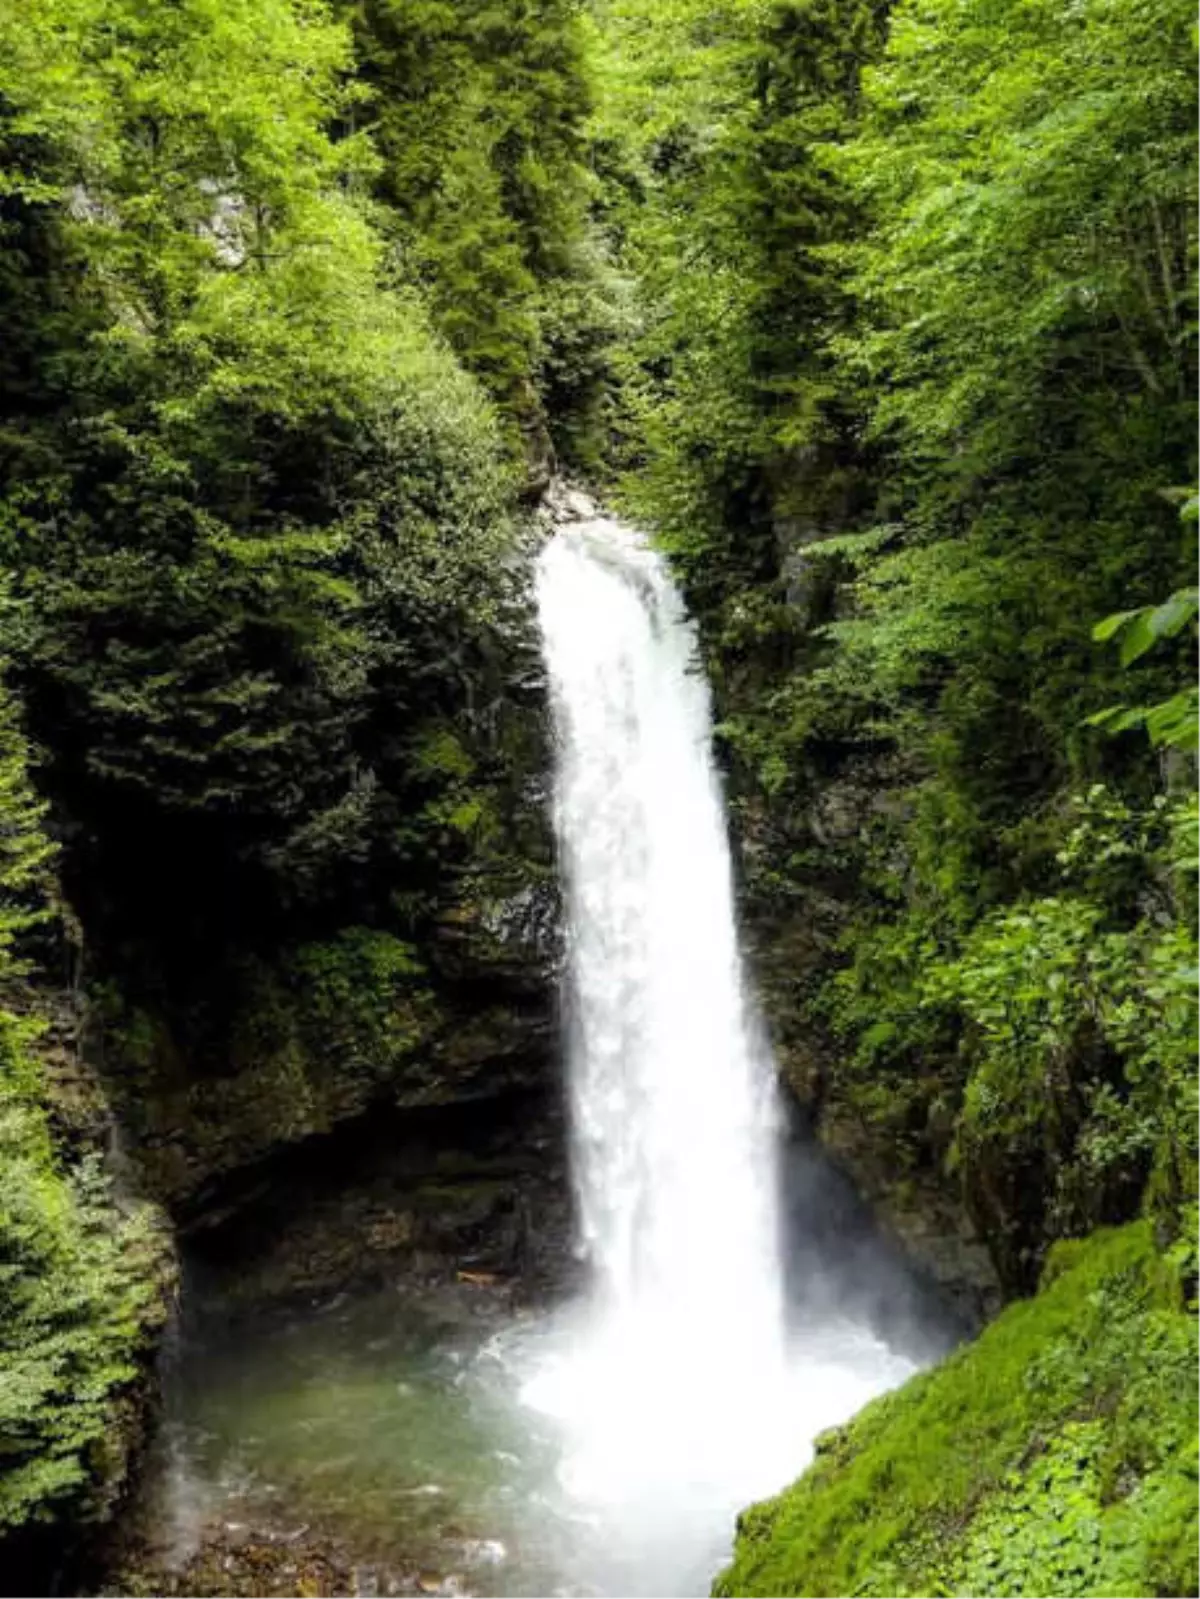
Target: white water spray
point(679, 1398)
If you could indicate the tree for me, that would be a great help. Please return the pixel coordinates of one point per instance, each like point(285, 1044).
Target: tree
point(232, 449)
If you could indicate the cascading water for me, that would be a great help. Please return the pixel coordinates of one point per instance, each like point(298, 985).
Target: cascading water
point(678, 1396)
point(671, 1100)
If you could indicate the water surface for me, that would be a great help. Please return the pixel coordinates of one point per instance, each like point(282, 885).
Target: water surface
point(441, 1448)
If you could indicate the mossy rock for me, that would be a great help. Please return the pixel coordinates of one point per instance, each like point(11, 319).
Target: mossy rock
point(1054, 1455)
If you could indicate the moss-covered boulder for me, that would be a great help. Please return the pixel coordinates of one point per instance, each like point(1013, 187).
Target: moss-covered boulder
point(1054, 1455)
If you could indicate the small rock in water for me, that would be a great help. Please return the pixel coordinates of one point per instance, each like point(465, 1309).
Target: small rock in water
point(485, 1551)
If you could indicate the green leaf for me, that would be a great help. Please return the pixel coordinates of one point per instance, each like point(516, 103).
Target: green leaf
point(1138, 637)
point(1117, 718)
point(1175, 613)
point(1111, 624)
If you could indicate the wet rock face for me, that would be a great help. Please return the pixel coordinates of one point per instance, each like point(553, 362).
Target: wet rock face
point(475, 1194)
point(793, 946)
point(917, 1206)
point(925, 1217)
point(322, 1040)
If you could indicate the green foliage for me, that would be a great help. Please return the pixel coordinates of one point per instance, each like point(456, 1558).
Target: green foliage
point(26, 853)
point(256, 511)
point(257, 527)
point(913, 376)
point(1033, 210)
point(885, 323)
point(477, 110)
point(913, 370)
point(1173, 722)
point(717, 125)
point(1046, 1051)
point(77, 1293)
point(358, 1000)
point(1055, 1455)
point(78, 1288)
point(1025, 345)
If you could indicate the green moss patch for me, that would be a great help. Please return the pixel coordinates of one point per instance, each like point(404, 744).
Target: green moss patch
point(1054, 1455)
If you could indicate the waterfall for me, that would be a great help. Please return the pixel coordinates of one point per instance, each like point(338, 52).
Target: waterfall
point(674, 1140)
point(679, 1397)
point(671, 1099)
